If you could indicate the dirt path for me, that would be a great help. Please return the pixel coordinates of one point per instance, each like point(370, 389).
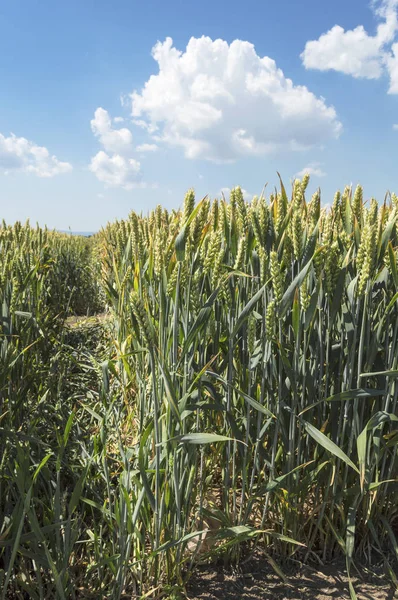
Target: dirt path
point(97, 319)
point(257, 581)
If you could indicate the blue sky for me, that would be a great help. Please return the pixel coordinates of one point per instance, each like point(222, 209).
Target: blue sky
point(215, 115)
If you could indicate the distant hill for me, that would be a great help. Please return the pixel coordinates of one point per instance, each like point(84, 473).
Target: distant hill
point(83, 233)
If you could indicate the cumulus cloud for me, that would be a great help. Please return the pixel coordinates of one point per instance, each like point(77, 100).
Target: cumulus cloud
point(149, 127)
point(114, 165)
point(314, 169)
point(18, 153)
point(220, 101)
point(116, 170)
point(355, 52)
point(147, 148)
point(392, 65)
point(113, 140)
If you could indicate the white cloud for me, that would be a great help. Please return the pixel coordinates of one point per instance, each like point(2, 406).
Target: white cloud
point(118, 119)
point(219, 102)
point(125, 100)
point(18, 153)
point(314, 169)
point(113, 140)
point(392, 65)
point(355, 52)
point(149, 127)
point(395, 127)
point(114, 165)
point(147, 148)
point(116, 170)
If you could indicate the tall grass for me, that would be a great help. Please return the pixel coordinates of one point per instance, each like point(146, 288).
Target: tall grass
point(38, 290)
point(248, 398)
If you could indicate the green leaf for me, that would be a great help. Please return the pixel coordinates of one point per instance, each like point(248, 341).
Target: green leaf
point(296, 314)
point(283, 538)
point(255, 404)
point(141, 466)
point(375, 421)
point(309, 315)
point(24, 315)
point(243, 531)
point(379, 418)
point(200, 322)
point(77, 492)
point(327, 443)
point(174, 543)
point(391, 535)
point(347, 395)
point(376, 484)
point(262, 409)
point(288, 296)
point(170, 391)
point(68, 428)
point(393, 264)
point(41, 465)
point(201, 438)
point(311, 245)
point(283, 191)
point(275, 483)
point(245, 313)
point(237, 531)
point(23, 509)
point(393, 373)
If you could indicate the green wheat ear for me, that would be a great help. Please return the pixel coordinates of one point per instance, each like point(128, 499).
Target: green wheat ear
point(189, 205)
point(141, 316)
point(270, 319)
point(238, 396)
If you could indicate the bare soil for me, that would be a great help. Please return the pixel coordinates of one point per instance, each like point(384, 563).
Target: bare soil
point(75, 322)
point(256, 580)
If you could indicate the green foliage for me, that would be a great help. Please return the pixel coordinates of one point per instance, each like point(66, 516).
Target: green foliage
point(243, 392)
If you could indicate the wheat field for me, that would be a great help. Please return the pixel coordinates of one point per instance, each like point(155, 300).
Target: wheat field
point(241, 394)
